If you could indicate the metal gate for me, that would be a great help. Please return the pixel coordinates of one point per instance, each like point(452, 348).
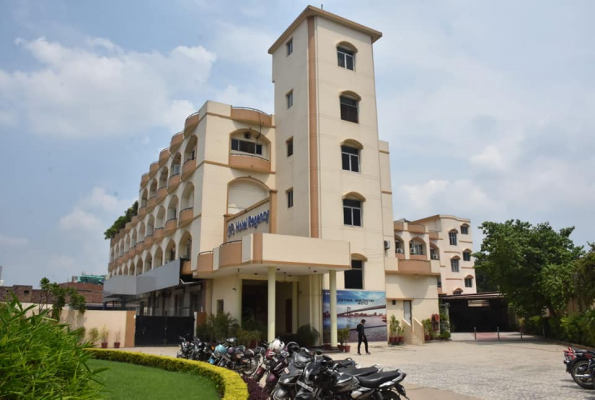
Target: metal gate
point(161, 331)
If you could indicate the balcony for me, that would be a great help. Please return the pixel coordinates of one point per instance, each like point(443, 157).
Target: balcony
point(144, 179)
point(186, 268)
point(134, 220)
point(414, 228)
point(148, 242)
point(176, 141)
point(161, 194)
point(421, 257)
point(250, 162)
point(230, 254)
point(433, 235)
point(191, 123)
point(151, 203)
point(142, 211)
point(188, 168)
point(251, 116)
point(170, 226)
point(128, 227)
point(173, 183)
point(132, 253)
point(417, 267)
point(153, 169)
point(205, 262)
point(186, 216)
point(163, 157)
point(158, 235)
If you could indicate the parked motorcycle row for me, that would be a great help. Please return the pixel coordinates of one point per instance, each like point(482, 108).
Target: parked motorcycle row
point(580, 364)
point(294, 372)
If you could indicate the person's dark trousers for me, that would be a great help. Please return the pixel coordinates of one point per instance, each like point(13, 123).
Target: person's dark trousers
point(361, 339)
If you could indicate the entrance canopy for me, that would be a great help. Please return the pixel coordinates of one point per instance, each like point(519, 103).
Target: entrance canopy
point(255, 253)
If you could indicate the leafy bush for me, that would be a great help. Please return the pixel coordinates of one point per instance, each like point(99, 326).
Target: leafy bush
point(343, 335)
point(41, 359)
point(307, 335)
point(93, 336)
point(228, 382)
point(218, 327)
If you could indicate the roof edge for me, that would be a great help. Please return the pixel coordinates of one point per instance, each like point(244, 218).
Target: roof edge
point(310, 11)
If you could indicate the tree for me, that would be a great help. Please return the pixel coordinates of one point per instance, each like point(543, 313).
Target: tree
point(533, 266)
point(58, 296)
point(585, 279)
point(121, 222)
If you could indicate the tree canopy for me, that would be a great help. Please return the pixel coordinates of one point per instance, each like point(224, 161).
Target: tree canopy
point(121, 222)
point(533, 266)
point(58, 295)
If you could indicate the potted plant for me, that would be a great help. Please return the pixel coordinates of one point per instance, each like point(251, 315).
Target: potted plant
point(393, 327)
point(104, 335)
point(401, 334)
point(93, 336)
point(427, 324)
point(117, 341)
point(342, 336)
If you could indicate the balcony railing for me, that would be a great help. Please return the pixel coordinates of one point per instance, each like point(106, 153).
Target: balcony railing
point(173, 183)
point(164, 156)
point(191, 123)
point(186, 216)
point(158, 234)
point(188, 168)
point(171, 225)
point(161, 194)
point(154, 169)
point(252, 116)
point(249, 162)
point(176, 141)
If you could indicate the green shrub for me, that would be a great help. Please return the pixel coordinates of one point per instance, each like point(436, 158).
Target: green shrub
point(93, 336)
point(228, 382)
point(343, 335)
point(307, 335)
point(42, 359)
point(218, 327)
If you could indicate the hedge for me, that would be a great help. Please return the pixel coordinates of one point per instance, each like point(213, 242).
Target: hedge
point(229, 383)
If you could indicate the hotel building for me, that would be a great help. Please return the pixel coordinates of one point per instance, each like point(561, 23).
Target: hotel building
point(258, 215)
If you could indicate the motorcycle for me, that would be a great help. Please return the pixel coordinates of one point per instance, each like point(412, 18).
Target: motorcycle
point(186, 348)
point(578, 362)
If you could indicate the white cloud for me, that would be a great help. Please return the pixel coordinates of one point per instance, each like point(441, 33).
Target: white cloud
point(102, 90)
point(11, 241)
point(99, 199)
point(234, 96)
point(78, 220)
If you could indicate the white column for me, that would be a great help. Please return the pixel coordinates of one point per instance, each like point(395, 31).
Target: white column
point(294, 307)
point(271, 310)
point(333, 308)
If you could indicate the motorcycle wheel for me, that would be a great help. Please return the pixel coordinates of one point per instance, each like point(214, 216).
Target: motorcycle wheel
point(580, 368)
point(250, 369)
point(389, 396)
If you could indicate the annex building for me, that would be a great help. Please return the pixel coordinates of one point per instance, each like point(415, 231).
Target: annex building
point(284, 218)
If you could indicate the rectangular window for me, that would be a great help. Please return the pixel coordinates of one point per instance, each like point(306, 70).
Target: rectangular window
point(220, 306)
point(439, 283)
point(433, 254)
point(468, 282)
point(289, 46)
point(416, 248)
point(246, 147)
point(350, 158)
point(348, 109)
point(345, 58)
point(452, 237)
point(289, 147)
point(464, 230)
point(289, 198)
point(289, 97)
point(354, 279)
point(454, 265)
point(466, 256)
point(352, 212)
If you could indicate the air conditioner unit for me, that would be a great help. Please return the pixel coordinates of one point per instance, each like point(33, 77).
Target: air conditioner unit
point(400, 251)
point(434, 256)
point(386, 245)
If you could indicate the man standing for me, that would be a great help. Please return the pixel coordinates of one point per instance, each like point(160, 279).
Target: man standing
point(361, 337)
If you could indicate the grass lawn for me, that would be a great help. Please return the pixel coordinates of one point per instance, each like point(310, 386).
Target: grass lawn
point(130, 382)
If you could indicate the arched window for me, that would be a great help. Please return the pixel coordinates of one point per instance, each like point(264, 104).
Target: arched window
point(469, 281)
point(188, 197)
point(142, 230)
point(454, 264)
point(143, 199)
point(346, 55)
point(417, 247)
point(452, 237)
point(464, 229)
point(349, 106)
point(458, 291)
point(172, 208)
point(175, 165)
point(160, 223)
point(170, 251)
point(467, 255)
point(244, 192)
point(186, 246)
point(150, 225)
point(163, 177)
point(434, 252)
point(153, 189)
point(127, 244)
point(139, 267)
point(352, 209)
point(133, 240)
point(350, 155)
point(148, 263)
point(190, 151)
point(158, 258)
point(399, 245)
point(131, 270)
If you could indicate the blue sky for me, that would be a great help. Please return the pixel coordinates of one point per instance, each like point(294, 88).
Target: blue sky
point(488, 108)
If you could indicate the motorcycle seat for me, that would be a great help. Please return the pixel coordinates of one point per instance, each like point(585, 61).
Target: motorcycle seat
point(360, 371)
point(375, 380)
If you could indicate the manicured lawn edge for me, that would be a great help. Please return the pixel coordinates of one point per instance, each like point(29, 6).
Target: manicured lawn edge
point(228, 383)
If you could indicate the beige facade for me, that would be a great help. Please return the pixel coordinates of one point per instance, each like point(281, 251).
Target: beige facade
point(268, 211)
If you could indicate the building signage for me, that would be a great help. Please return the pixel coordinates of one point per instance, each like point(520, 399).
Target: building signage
point(251, 221)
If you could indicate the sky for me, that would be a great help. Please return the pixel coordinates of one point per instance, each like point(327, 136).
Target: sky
point(489, 108)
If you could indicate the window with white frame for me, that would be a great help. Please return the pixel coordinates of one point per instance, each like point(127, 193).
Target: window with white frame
point(469, 282)
point(349, 109)
point(354, 279)
point(352, 212)
point(289, 46)
point(464, 229)
point(345, 58)
point(452, 238)
point(416, 248)
point(350, 158)
point(246, 146)
point(454, 265)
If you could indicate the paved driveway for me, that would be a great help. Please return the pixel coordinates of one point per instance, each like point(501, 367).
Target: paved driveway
point(471, 370)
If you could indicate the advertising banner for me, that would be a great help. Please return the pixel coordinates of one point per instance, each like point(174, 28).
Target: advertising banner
point(352, 307)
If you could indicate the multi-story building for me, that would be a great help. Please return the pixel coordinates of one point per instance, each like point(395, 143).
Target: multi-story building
point(445, 241)
point(262, 216)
